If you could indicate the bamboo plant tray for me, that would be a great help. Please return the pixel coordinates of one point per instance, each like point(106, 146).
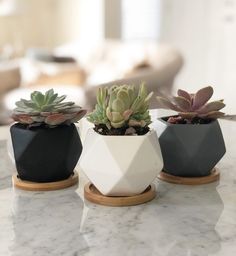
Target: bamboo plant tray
point(47, 186)
point(93, 195)
point(214, 176)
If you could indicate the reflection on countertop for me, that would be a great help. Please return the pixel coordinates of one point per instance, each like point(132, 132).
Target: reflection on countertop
point(181, 221)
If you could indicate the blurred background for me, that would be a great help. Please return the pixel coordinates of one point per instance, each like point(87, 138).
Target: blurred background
point(75, 46)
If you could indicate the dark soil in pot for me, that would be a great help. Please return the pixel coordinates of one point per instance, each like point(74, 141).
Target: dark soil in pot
point(179, 120)
point(190, 150)
point(103, 130)
point(45, 154)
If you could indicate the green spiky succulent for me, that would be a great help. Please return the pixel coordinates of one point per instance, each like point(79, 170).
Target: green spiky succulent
point(122, 106)
point(98, 116)
point(48, 109)
point(192, 106)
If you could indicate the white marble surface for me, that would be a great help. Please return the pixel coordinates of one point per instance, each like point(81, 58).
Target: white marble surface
point(181, 221)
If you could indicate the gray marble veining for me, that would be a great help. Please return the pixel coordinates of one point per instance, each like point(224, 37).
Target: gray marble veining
point(181, 221)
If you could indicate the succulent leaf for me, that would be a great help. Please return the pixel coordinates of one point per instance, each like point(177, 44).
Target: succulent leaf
point(55, 119)
point(48, 95)
point(25, 119)
point(188, 115)
point(212, 114)
point(212, 106)
point(149, 96)
point(20, 104)
point(127, 114)
point(201, 97)
point(60, 99)
point(166, 104)
point(183, 103)
point(39, 99)
point(184, 94)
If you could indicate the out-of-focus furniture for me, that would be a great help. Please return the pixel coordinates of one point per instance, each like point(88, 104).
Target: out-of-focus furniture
point(10, 76)
point(10, 79)
point(158, 79)
point(116, 62)
point(45, 68)
point(113, 63)
point(112, 60)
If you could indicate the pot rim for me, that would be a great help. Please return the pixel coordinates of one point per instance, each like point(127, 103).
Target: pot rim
point(40, 127)
point(151, 131)
point(165, 122)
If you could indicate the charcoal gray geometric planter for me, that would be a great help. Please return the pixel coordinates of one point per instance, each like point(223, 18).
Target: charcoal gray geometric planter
point(45, 154)
point(190, 150)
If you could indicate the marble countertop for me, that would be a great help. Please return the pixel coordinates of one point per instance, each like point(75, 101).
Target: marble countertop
point(181, 221)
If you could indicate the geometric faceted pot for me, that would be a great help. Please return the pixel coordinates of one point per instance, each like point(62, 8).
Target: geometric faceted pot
point(45, 154)
point(121, 165)
point(190, 150)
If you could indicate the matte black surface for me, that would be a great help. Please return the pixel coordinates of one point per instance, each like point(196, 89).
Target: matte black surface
point(45, 154)
point(190, 150)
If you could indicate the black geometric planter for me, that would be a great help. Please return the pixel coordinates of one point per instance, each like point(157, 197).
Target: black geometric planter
point(190, 150)
point(45, 154)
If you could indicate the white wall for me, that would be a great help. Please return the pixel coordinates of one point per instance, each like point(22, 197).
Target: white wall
point(205, 32)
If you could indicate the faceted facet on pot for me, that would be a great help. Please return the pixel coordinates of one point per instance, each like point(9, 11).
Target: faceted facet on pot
point(45, 154)
point(190, 150)
point(121, 165)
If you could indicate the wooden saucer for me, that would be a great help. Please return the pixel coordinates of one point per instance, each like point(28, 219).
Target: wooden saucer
point(47, 186)
point(93, 195)
point(214, 176)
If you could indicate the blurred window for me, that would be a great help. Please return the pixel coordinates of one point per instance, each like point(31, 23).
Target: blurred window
point(140, 19)
point(7, 7)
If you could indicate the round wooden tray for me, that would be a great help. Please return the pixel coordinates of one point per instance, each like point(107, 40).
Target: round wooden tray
point(47, 186)
point(93, 195)
point(214, 176)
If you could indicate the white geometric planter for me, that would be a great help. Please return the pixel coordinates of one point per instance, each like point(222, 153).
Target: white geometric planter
point(121, 165)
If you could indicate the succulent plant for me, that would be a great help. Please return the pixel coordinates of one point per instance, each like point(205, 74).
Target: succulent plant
point(122, 106)
point(190, 106)
point(48, 109)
